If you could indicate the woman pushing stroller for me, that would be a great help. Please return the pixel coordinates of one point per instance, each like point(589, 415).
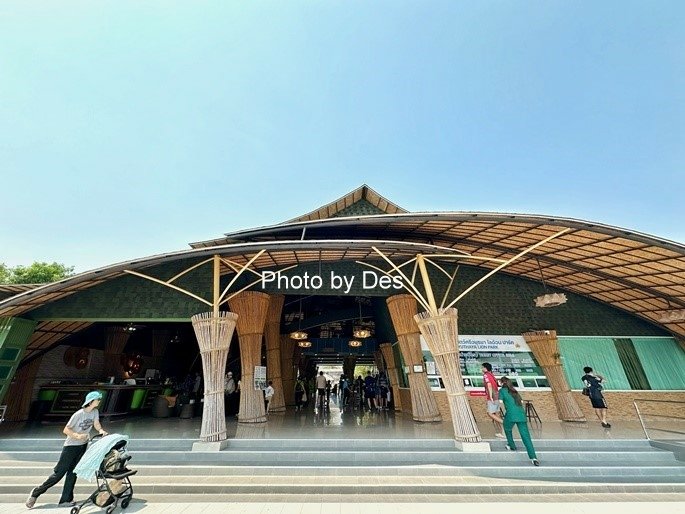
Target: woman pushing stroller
point(77, 431)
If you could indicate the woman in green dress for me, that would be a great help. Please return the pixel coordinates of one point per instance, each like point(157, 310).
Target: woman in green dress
point(515, 415)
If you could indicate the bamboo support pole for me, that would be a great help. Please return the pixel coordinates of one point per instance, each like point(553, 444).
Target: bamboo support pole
point(545, 347)
point(288, 366)
point(378, 360)
point(251, 308)
point(115, 343)
point(441, 335)
point(214, 333)
point(349, 363)
point(402, 309)
point(272, 338)
point(393, 376)
point(160, 341)
point(20, 392)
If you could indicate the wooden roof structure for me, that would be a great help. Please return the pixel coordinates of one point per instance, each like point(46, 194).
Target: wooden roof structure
point(637, 273)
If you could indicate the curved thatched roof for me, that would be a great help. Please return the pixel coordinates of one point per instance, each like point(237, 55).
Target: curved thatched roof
point(635, 272)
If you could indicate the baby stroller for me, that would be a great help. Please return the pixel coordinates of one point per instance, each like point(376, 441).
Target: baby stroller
point(113, 483)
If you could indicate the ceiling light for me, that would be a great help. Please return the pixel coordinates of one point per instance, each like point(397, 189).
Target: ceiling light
point(550, 300)
point(299, 334)
point(354, 343)
point(361, 333)
point(304, 344)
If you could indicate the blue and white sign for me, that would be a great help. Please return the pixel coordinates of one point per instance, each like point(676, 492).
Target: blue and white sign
point(470, 343)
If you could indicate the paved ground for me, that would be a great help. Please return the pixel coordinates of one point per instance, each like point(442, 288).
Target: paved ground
point(546, 505)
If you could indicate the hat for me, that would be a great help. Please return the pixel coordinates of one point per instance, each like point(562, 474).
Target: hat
point(229, 373)
point(93, 395)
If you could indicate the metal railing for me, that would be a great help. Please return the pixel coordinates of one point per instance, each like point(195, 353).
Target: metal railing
point(641, 416)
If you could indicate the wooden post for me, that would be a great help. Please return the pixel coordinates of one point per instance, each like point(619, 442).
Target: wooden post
point(393, 376)
point(288, 368)
point(272, 337)
point(378, 360)
point(251, 308)
point(20, 392)
point(545, 347)
point(402, 309)
point(349, 363)
point(115, 342)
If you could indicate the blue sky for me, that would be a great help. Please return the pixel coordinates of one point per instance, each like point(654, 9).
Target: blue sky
point(132, 128)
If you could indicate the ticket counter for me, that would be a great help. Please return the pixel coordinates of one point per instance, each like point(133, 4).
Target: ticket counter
point(61, 401)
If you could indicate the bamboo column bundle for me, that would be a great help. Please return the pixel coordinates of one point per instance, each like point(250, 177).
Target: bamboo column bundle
point(272, 337)
point(403, 308)
point(545, 347)
point(393, 376)
point(378, 360)
point(115, 342)
point(349, 363)
point(441, 335)
point(20, 392)
point(214, 332)
point(288, 368)
point(251, 308)
point(160, 341)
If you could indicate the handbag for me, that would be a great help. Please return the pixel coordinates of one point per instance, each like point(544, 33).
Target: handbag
point(586, 391)
point(304, 397)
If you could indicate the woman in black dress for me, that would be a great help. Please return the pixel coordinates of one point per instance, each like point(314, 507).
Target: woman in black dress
point(593, 383)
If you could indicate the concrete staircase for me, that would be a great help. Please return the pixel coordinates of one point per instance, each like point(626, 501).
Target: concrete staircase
point(359, 470)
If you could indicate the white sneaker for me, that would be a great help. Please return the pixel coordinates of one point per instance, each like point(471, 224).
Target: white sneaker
point(31, 500)
point(501, 436)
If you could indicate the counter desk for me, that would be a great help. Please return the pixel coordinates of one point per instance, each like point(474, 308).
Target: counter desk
point(117, 400)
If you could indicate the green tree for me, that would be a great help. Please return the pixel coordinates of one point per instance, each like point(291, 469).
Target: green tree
point(36, 273)
point(4, 274)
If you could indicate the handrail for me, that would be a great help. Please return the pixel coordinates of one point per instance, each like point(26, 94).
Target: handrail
point(644, 428)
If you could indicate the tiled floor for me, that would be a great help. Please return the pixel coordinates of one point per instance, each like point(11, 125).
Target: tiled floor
point(333, 425)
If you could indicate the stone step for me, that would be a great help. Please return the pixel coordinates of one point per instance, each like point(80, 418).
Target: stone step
point(371, 457)
point(530, 476)
point(276, 501)
point(380, 487)
point(31, 474)
point(343, 444)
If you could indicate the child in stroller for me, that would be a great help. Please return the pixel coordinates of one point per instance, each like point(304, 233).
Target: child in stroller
point(113, 482)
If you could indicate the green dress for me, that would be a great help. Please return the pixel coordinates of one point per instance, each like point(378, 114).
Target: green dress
point(516, 415)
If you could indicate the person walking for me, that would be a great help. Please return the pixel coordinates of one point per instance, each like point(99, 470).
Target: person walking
point(593, 383)
point(77, 431)
point(268, 395)
point(320, 390)
point(515, 415)
point(370, 390)
point(492, 397)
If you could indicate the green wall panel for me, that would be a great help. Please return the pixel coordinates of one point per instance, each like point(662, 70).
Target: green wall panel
point(501, 305)
point(15, 334)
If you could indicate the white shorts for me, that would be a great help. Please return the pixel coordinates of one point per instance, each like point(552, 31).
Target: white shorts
point(493, 407)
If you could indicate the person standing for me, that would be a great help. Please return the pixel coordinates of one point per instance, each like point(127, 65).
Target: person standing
point(299, 393)
point(77, 431)
point(516, 415)
point(229, 394)
point(593, 383)
point(268, 395)
point(492, 397)
point(320, 390)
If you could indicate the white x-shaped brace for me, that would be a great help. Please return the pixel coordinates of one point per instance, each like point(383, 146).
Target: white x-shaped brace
point(223, 298)
point(428, 301)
